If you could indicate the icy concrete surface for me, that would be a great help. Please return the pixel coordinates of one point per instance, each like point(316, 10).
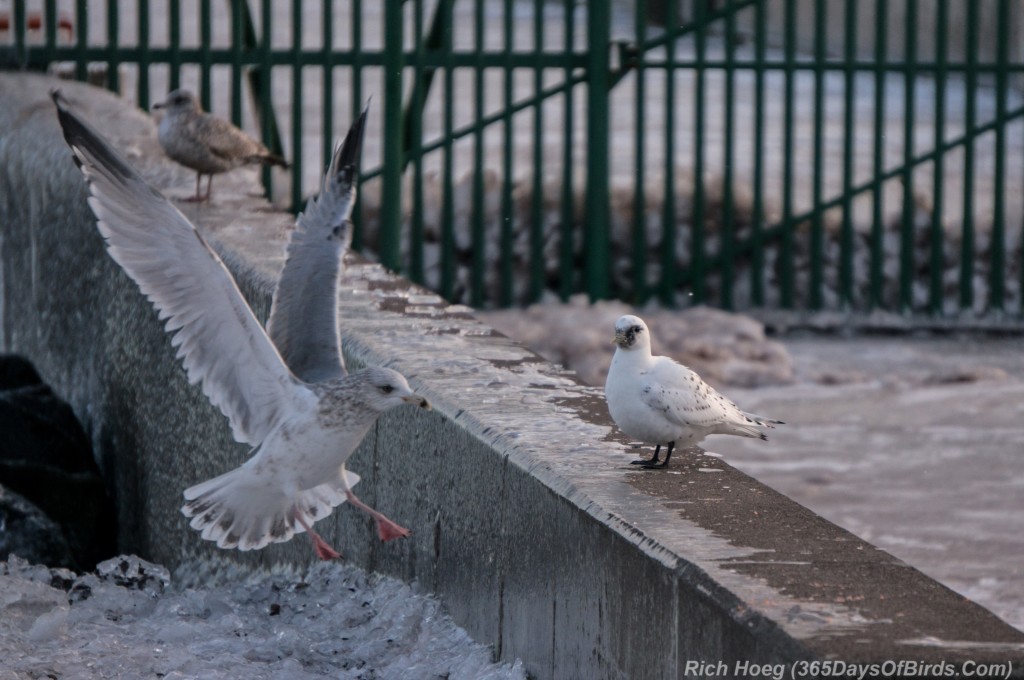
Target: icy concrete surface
point(912, 443)
point(131, 620)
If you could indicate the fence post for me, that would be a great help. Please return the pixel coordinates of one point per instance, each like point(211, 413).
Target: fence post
point(391, 177)
point(596, 238)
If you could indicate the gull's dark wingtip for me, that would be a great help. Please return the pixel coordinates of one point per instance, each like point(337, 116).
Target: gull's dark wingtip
point(86, 144)
point(347, 157)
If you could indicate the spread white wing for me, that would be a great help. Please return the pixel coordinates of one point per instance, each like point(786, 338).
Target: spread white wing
point(218, 339)
point(304, 315)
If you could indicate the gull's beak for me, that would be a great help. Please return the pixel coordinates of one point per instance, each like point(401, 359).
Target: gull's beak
point(619, 339)
point(159, 105)
point(417, 400)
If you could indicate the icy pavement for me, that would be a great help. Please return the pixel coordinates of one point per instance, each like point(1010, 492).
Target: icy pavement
point(218, 621)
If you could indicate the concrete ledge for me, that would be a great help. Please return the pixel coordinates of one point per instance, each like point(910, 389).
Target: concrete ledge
point(525, 518)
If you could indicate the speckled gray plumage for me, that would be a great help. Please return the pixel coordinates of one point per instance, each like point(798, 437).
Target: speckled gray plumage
point(205, 143)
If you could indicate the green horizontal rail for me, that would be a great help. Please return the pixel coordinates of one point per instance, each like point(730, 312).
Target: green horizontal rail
point(312, 57)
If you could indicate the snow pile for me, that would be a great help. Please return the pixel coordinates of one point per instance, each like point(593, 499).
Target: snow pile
point(724, 348)
point(126, 620)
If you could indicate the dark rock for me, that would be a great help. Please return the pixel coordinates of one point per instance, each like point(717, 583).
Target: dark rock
point(17, 372)
point(46, 457)
point(28, 533)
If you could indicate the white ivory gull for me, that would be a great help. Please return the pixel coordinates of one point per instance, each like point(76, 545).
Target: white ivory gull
point(286, 394)
point(659, 401)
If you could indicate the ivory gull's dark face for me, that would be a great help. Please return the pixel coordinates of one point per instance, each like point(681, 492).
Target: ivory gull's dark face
point(629, 330)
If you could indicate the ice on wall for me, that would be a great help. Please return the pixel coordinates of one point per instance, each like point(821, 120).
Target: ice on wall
point(219, 621)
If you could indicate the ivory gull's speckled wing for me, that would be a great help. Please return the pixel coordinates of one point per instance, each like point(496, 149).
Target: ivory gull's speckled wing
point(304, 315)
point(219, 340)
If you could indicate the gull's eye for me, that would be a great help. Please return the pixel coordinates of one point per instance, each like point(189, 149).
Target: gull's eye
point(635, 329)
point(387, 389)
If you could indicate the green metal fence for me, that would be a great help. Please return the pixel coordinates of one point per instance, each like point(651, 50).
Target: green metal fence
point(850, 155)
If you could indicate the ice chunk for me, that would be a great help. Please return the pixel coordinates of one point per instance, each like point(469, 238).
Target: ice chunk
point(130, 571)
point(50, 625)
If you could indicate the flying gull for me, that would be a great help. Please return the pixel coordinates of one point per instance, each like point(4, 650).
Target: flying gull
point(205, 143)
point(659, 401)
point(286, 393)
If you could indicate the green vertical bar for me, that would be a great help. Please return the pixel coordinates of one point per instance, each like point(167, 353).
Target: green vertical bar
point(113, 45)
point(20, 19)
point(236, 59)
point(506, 292)
point(416, 148)
point(997, 273)
point(566, 251)
point(728, 271)
point(447, 190)
point(640, 292)
point(537, 272)
point(327, 57)
point(50, 8)
point(757, 236)
point(817, 223)
point(697, 241)
point(174, 46)
point(596, 240)
point(937, 237)
point(142, 91)
point(357, 104)
point(877, 204)
point(478, 265)
point(391, 209)
point(81, 38)
point(967, 238)
point(206, 60)
point(907, 226)
point(265, 90)
point(297, 101)
point(786, 254)
point(849, 123)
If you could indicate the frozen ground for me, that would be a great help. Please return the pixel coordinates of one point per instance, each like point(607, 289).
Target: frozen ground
point(216, 621)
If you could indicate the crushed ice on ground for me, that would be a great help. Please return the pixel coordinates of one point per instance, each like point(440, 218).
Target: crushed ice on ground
point(219, 620)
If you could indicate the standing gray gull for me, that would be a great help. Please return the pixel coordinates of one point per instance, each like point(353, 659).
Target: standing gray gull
point(659, 401)
point(205, 143)
point(293, 402)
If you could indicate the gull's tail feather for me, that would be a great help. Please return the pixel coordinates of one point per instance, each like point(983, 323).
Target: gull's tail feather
point(750, 426)
point(239, 510)
point(762, 421)
point(273, 159)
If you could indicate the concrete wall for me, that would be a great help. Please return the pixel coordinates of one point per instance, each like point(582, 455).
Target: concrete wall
point(526, 520)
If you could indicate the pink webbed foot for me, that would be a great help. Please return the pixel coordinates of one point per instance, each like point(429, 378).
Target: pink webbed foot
point(388, 530)
point(322, 549)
